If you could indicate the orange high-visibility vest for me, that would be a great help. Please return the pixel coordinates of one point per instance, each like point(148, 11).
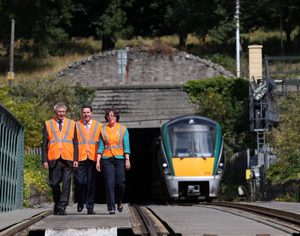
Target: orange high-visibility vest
point(88, 142)
point(113, 140)
point(60, 143)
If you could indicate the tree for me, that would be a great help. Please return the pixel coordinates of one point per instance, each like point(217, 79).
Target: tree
point(112, 25)
point(146, 17)
point(285, 140)
point(190, 16)
point(43, 21)
point(271, 15)
point(32, 103)
point(224, 26)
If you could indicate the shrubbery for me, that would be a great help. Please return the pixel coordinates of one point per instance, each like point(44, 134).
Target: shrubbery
point(32, 101)
point(36, 189)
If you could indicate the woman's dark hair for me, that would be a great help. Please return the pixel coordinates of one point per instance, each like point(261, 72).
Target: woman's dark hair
point(115, 111)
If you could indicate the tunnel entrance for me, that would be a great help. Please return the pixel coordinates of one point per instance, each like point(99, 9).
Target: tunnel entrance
point(140, 179)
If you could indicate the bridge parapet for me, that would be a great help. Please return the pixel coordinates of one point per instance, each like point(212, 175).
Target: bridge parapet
point(11, 161)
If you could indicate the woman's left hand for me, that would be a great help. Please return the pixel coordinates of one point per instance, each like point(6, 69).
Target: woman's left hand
point(127, 164)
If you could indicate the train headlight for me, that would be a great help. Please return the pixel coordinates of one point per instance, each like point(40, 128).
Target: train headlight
point(220, 168)
point(166, 169)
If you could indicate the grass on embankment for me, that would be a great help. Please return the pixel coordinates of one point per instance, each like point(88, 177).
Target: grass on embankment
point(27, 67)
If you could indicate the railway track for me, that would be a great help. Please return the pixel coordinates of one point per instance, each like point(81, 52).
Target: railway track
point(21, 227)
point(146, 220)
point(143, 221)
point(282, 218)
point(147, 223)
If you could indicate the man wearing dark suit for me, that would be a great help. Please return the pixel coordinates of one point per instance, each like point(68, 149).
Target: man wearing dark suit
point(88, 134)
point(59, 155)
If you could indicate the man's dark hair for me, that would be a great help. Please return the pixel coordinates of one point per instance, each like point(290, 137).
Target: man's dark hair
point(86, 107)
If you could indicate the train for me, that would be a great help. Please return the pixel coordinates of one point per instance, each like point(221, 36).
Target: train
point(191, 158)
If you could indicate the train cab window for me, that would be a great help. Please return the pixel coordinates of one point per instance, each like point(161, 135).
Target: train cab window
point(194, 140)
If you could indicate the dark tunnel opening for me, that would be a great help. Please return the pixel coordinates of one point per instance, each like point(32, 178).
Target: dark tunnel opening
point(140, 179)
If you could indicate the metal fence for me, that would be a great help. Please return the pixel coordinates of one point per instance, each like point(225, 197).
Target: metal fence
point(11, 161)
point(34, 150)
point(285, 72)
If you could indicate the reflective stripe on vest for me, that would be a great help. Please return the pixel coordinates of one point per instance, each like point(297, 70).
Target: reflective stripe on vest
point(56, 139)
point(60, 143)
point(88, 145)
point(116, 149)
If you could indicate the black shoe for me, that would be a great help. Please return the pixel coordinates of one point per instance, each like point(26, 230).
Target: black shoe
point(120, 208)
point(91, 212)
point(62, 212)
point(55, 211)
point(111, 212)
point(79, 207)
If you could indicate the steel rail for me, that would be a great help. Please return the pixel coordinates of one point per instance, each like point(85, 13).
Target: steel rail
point(15, 228)
point(285, 216)
point(151, 223)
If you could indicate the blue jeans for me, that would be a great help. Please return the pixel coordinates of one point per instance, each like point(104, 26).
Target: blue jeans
point(114, 179)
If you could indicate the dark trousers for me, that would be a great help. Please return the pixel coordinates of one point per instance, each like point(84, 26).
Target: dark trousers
point(60, 171)
point(114, 179)
point(85, 176)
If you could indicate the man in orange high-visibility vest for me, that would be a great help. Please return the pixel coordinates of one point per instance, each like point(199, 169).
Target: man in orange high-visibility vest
point(88, 134)
point(59, 155)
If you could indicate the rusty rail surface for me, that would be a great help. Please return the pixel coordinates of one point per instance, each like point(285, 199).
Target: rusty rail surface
point(146, 222)
point(282, 215)
point(18, 227)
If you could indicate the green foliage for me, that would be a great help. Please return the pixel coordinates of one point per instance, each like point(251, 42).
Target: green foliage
point(223, 60)
point(286, 197)
point(285, 139)
point(190, 16)
point(228, 192)
point(224, 27)
point(32, 103)
point(35, 181)
point(112, 23)
point(44, 22)
point(26, 112)
point(285, 169)
point(226, 101)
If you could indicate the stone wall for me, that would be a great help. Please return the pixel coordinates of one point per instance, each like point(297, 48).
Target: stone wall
point(142, 68)
point(143, 106)
point(151, 90)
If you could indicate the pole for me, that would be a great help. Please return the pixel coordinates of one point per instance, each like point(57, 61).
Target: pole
point(248, 158)
point(10, 75)
point(237, 17)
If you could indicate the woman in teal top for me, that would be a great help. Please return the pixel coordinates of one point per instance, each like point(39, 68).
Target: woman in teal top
point(113, 158)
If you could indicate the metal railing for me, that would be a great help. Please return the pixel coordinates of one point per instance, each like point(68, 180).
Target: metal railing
point(34, 150)
point(11, 161)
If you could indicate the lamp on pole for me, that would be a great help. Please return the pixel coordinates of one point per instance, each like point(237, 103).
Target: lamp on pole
point(10, 74)
point(237, 35)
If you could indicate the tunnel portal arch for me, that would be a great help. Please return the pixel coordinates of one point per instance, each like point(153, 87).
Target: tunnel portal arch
point(146, 85)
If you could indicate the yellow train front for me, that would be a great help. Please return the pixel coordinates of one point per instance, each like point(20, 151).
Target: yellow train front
point(192, 159)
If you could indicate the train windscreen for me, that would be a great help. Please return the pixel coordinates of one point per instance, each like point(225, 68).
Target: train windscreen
point(189, 139)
